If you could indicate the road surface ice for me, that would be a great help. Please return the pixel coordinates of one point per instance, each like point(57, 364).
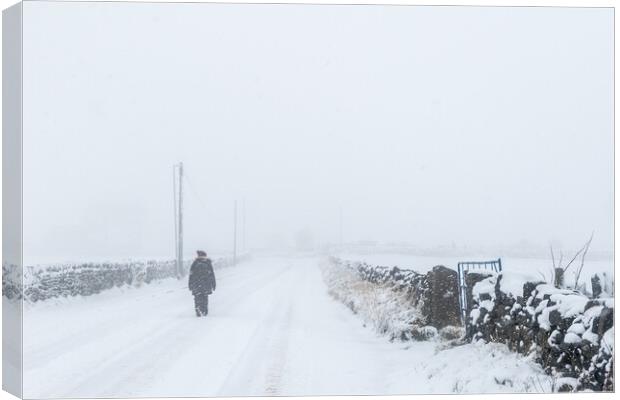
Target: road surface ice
point(272, 330)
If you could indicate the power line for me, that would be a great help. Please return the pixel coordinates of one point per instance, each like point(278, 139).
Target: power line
point(202, 204)
point(194, 192)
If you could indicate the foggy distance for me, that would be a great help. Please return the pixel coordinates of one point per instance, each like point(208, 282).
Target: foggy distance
point(436, 127)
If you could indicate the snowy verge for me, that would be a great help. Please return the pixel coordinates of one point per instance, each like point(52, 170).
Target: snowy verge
point(474, 368)
point(570, 335)
point(394, 302)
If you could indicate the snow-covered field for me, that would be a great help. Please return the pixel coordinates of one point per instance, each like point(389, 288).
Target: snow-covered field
point(272, 330)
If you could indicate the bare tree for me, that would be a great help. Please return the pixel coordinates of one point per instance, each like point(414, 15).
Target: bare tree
point(583, 257)
point(554, 269)
point(574, 258)
point(558, 272)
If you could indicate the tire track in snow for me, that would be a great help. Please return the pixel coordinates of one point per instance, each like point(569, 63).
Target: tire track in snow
point(38, 357)
point(261, 365)
point(107, 332)
point(157, 350)
point(276, 370)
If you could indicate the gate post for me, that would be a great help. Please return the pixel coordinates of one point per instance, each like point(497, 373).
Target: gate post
point(444, 297)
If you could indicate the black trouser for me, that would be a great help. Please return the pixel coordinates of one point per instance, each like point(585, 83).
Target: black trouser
point(201, 303)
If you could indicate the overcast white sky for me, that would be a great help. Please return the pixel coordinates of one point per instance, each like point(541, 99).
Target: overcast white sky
point(432, 125)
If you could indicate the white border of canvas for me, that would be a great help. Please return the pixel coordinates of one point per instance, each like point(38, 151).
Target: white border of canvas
point(4, 4)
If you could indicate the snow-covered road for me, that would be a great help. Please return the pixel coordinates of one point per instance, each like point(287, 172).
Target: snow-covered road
point(272, 330)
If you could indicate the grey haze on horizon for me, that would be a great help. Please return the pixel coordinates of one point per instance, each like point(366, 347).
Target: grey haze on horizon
point(429, 125)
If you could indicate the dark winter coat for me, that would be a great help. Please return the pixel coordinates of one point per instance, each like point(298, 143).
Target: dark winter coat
point(201, 277)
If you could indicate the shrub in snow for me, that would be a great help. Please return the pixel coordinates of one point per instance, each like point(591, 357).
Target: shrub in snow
point(602, 285)
point(562, 329)
point(451, 332)
point(424, 333)
point(388, 310)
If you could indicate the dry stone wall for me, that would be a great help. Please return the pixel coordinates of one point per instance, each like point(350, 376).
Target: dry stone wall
point(569, 334)
point(85, 279)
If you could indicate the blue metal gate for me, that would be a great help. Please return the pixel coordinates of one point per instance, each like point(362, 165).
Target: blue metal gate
point(463, 268)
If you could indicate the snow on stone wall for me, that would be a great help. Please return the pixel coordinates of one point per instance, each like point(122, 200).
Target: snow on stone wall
point(85, 279)
point(402, 303)
point(570, 335)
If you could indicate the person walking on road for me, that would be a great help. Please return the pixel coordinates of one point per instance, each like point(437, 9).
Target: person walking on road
point(201, 282)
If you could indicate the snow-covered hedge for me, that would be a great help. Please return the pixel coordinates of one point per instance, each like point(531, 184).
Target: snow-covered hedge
point(85, 279)
point(569, 334)
point(394, 301)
